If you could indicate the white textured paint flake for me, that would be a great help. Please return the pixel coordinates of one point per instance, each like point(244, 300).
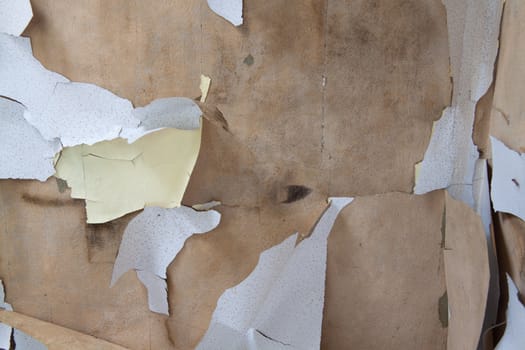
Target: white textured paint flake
point(73, 113)
point(78, 113)
point(280, 304)
point(231, 10)
point(508, 179)
point(450, 158)
point(153, 239)
point(514, 336)
point(15, 15)
point(24, 154)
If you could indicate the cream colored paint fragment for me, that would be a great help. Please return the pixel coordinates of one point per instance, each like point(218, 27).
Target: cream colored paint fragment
point(54, 336)
point(116, 178)
point(15, 15)
point(204, 87)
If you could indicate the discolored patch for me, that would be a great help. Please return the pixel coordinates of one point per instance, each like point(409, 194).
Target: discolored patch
point(296, 193)
point(42, 201)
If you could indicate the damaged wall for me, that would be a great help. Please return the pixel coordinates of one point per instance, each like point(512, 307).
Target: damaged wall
point(331, 98)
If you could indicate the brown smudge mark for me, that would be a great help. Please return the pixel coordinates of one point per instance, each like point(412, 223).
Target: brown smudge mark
point(61, 184)
point(50, 202)
point(214, 115)
point(443, 227)
point(248, 60)
point(296, 193)
point(443, 310)
point(103, 240)
point(98, 235)
point(481, 129)
point(94, 235)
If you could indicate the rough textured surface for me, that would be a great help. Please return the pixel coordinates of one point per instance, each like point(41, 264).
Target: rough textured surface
point(335, 96)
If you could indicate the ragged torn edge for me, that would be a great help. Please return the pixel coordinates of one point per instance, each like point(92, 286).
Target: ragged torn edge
point(115, 177)
point(514, 336)
point(467, 275)
point(450, 159)
point(15, 16)
point(508, 179)
point(9, 336)
point(80, 113)
point(24, 154)
point(231, 10)
point(152, 241)
point(280, 304)
point(69, 114)
point(204, 87)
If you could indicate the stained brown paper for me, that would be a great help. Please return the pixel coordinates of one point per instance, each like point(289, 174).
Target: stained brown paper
point(332, 98)
point(467, 274)
point(385, 274)
point(508, 117)
point(406, 272)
